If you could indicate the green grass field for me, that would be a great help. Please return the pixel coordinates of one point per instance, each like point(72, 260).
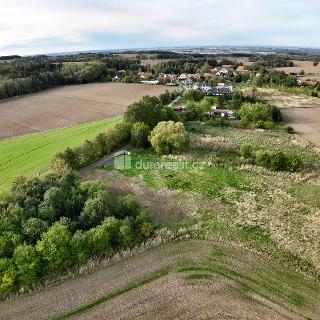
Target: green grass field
point(30, 154)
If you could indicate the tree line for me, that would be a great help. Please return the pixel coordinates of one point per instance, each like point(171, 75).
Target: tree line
point(29, 75)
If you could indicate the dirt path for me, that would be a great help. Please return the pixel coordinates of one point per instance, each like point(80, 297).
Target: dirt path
point(76, 292)
point(305, 121)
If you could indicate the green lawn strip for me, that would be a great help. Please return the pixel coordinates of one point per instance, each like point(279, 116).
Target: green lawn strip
point(154, 276)
point(30, 154)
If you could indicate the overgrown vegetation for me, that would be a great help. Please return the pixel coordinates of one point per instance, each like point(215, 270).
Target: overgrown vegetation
point(49, 224)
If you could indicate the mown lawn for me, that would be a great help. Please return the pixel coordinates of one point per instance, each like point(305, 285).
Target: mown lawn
point(33, 153)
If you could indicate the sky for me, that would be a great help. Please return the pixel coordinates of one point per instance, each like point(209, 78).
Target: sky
point(46, 26)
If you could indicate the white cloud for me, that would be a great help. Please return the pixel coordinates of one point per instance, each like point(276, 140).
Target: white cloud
point(43, 26)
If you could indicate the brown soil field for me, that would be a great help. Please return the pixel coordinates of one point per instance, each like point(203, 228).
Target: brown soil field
point(204, 280)
point(172, 298)
point(305, 122)
point(75, 292)
point(66, 106)
point(307, 66)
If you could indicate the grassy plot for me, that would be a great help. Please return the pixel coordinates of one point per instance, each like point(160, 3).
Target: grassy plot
point(30, 154)
point(238, 201)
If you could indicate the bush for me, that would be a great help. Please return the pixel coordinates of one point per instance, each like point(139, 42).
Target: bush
point(246, 151)
point(169, 137)
point(219, 122)
point(290, 130)
point(139, 135)
point(259, 111)
point(244, 122)
point(267, 125)
point(293, 163)
point(124, 131)
point(278, 161)
point(263, 158)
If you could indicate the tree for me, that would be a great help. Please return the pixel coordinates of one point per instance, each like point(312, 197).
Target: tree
point(169, 137)
point(81, 246)
point(55, 248)
point(139, 135)
point(96, 209)
point(26, 261)
point(33, 228)
point(259, 111)
point(126, 234)
point(53, 205)
point(8, 241)
point(149, 111)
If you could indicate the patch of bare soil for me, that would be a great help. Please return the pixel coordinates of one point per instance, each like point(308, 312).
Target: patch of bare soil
point(69, 105)
point(304, 121)
point(171, 297)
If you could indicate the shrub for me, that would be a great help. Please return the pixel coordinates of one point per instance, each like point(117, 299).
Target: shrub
point(263, 158)
point(169, 137)
point(267, 125)
point(219, 122)
point(139, 135)
point(100, 238)
point(290, 130)
point(244, 122)
point(8, 241)
point(278, 161)
point(293, 163)
point(8, 276)
point(126, 234)
point(128, 207)
point(259, 111)
point(124, 131)
point(246, 151)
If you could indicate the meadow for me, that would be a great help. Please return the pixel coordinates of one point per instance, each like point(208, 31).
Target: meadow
point(32, 154)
